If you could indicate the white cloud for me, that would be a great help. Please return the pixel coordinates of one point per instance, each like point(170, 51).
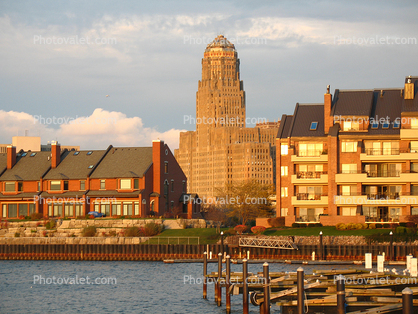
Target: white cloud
point(97, 131)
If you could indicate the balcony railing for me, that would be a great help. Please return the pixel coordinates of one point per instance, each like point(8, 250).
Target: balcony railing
point(385, 174)
point(382, 219)
point(309, 196)
point(311, 153)
point(382, 151)
point(385, 196)
point(307, 218)
point(310, 174)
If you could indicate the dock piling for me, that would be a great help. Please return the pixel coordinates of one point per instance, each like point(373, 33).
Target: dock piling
point(340, 294)
point(228, 284)
point(244, 286)
point(407, 301)
point(205, 272)
point(218, 283)
point(266, 275)
point(300, 290)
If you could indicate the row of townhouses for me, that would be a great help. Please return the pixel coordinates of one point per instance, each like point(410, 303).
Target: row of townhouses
point(118, 181)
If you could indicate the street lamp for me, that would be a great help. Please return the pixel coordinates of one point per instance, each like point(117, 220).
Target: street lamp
point(391, 246)
point(321, 246)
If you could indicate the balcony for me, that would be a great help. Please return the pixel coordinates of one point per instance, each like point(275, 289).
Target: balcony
point(409, 134)
point(313, 177)
point(388, 154)
point(394, 176)
point(383, 174)
point(310, 199)
point(377, 199)
point(310, 156)
point(307, 219)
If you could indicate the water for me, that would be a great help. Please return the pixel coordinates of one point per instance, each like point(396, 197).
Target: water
point(141, 287)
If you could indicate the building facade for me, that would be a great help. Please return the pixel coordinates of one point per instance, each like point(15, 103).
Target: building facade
point(222, 150)
point(118, 181)
point(353, 158)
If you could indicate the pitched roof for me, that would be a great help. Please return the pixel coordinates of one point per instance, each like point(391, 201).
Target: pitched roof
point(386, 104)
point(284, 127)
point(352, 102)
point(3, 162)
point(113, 193)
point(124, 162)
point(28, 168)
point(304, 115)
point(75, 165)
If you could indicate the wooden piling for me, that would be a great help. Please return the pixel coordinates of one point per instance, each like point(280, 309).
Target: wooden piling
point(407, 301)
point(205, 272)
point(300, 290)
point(219, 279)
point(340, 294)
point(244, 286)
point(266, 276)
point(228, 284)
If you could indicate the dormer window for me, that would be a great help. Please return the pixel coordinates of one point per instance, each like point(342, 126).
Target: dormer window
point(136, 184)
point(385, 125)
point(9, 186)
point(55, 185)
point(20, 186)
point(102, 184)
point(32, 155)
point(91, 166)
point(66, 185)
point(76, 153)
point(375, 126)
point(24, 154)
point(125, 184)
point(396, 124)
point(89, 153)
point(314, 126)
point(351, 126)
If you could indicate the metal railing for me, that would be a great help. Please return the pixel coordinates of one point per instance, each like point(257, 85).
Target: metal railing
point(180, 240)
point(309, 196)
point(382, 151)
point(310, 174)
point(311, 153)
point(384, 174)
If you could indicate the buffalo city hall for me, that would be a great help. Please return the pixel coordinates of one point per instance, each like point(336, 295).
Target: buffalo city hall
point(223, 150)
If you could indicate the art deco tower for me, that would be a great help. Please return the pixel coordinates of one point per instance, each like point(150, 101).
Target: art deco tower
point(222, 150)
point(220, 99)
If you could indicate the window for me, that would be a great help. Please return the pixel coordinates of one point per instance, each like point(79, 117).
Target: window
point(349, 168)
point(414, 167)
point(397, 124)
point(65, 185)
point(125, 184)
point(349, 211)
point(57, 210)
point(349, 147)
point(23, 209)
point(375, 125)
point(284, 170)
point(79, 209)
point(32, 155)
point(394, 213)
point(39, 186)
point(184, 186)
point(55, 185)
point(385, 125)
point(414, 146)
point(89, 153)
point(351, 126)
point(284, 148)
point(76, 153)
point(172, 185)
point(32, 208)
point(9, 186)
point(12, 210)
point(136, 208)
point(283, 192)
point(347, 189)
point(166, 167)
point(116, 208)
point(4, 213)
point(414, 189)
point(127, 209)
point(414, 123)
point(165, 187)
point(103, 185)
point(283, 212)
point(314, 126)
point(68, 210)
point(136, 184)
point(172, 205)
point(20, 186)
point(24, 154)
point(310, 149)
point(414, 210)
point(91, 166)
point(82, 185)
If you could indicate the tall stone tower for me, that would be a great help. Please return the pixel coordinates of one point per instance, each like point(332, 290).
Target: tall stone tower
point(220, 99)
point(222, 150)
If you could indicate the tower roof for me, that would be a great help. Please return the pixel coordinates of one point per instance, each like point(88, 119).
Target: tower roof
point(220, 42)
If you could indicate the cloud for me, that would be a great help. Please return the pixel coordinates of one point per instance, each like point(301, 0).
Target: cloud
point(96, 131)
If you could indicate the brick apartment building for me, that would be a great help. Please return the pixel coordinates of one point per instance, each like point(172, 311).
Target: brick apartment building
point(118, 181)
point(223, 150)
point(353, 158)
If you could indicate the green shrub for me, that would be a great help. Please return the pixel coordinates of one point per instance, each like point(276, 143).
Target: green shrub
point(378, 226)
point(51, 224)
point(403, 224)
point(410, 231)
point(340, 226)
point(152, 229)
point(230, 232)
point(295, 225)
point(36, 216)
point(365, 226)
point(372, 226)
point(89, 231)
point(302, 225)
point(351, 226)
point(358, 226)
point(258, 229)
point(387, 226)
point(241, 229)
point(33, 231)
point(400, 230)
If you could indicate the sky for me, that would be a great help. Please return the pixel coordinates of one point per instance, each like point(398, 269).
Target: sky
point(122, 73)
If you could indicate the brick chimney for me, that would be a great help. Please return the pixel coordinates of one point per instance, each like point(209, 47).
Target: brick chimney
point(158, 167)
point(11, 156)
point(409, 89)
point(328, 119)
point(55, 154)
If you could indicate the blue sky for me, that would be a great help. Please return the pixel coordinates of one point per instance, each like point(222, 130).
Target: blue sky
point(150, 61)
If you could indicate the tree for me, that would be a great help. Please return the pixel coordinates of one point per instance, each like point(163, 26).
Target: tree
point(246, 200)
